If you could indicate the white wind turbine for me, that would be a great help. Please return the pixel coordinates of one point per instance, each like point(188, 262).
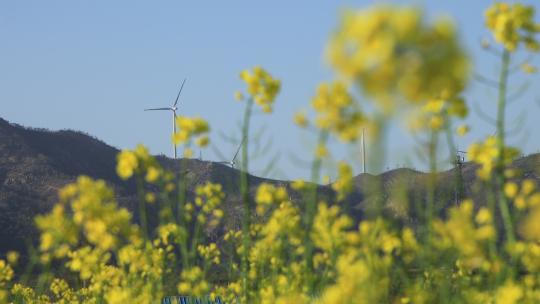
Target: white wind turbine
point(173, 108)
point(232, 163)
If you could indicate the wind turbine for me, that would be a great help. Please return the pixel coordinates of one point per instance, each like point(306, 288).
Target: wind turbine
point(172, 108)
point(232, 163)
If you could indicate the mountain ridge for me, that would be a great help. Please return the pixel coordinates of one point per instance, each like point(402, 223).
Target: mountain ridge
point(35, 163)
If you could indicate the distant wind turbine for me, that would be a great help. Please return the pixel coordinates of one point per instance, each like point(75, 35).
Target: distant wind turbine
point(173, 108)
point(232, 163)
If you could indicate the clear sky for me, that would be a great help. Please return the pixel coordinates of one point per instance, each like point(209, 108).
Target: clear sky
point(95, 65)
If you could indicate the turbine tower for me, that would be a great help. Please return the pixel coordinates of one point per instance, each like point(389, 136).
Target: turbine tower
point(173, 109)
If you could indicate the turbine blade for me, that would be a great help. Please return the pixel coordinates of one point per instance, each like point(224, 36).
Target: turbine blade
point(177, 97)
point(238, 150)
point(157, 109)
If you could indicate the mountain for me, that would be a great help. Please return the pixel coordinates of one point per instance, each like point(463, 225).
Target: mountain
point(35, 163)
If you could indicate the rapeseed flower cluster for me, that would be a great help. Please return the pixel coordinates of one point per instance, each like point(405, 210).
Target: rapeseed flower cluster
point(207, 203)
point(267, 195)
point(6, 274)
point(336, 111)
point(261, 87)
point(130, 162)
point(193, 283)
point(191, 129)
point(524, 196)
point(87, 213)
point(392, 52)
point(436, 114)
point(468, 234)
point(512, 24)
point(344, 184)
point(330, 229)
point(485, 154)
point(210, 253)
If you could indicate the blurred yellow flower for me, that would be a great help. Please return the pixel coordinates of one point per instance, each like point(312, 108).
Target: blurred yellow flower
point(321, 151)
point(337, 111)
point(462, 130)
point(511, 189)
point(238, 96)
point(150, 197)
point(393, 52)
point(188, 152)
point(436, 122)
point(300, 119)
point(127, 163)
point(152, 174)
point(12, 257)
point(344, 184)
point(298, 184)
point(190, 128)
point(202, 141)
point(509, 293)
point(261, 86)
point(485, 154)
point(513, 24)
point(527, 68)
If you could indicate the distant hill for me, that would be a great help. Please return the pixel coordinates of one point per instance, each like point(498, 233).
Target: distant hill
point(35, 163)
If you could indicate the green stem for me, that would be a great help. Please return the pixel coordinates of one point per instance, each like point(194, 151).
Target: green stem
point(501, 180)
point(182, 223)
point(244, 189)
point(195, 241)
point(376, 191)
point(432, 182)
point(458, 176)
point(311, 207)
point(181, 194)
point(490, 197)
point(142, 206)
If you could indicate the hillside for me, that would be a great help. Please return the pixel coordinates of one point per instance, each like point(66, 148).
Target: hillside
point(35, 163)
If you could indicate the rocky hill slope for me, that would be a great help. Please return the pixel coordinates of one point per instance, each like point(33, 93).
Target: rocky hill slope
point(35, 163)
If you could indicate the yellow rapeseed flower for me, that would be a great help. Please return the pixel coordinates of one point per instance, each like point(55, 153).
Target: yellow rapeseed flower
point(512, 25)
point(12, 257)
point(191, 128)
point(188, 153)
point(152, 174)
point(337, 111)
point(344, 184)
point(527, 68)
point(509, 293)
point(300, 119)
point(511, 189)
point(486, 154)
point(393, 52)
point(127, 164)
point(462, 130)
point(238, 96)
point(261, 86)
point(321, 151)
point(298, 184)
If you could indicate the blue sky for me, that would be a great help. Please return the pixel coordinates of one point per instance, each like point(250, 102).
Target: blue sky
point(95, 65)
